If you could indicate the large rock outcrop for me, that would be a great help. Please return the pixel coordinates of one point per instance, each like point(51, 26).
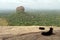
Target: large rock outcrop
point(20, 9)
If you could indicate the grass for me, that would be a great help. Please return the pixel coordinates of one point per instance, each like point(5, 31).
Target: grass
point(3, 22)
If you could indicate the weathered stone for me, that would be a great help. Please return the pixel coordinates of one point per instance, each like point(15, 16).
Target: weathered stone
point(20, 9)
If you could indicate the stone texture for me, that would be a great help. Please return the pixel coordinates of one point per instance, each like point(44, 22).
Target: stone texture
point(20, 9)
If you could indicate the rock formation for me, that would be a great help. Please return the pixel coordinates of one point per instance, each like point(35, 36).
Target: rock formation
point(20, 9)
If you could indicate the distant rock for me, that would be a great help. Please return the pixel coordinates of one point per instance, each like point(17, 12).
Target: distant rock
point(20, 9)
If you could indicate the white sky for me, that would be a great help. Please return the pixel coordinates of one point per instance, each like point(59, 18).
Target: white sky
point(35, 4)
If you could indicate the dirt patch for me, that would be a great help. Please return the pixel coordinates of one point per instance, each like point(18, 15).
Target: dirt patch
point(33, 36)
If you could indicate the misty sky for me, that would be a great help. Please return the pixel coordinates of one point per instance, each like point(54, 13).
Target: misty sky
point(34, 4)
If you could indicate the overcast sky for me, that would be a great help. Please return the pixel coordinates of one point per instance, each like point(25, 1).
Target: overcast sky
point(34, 4)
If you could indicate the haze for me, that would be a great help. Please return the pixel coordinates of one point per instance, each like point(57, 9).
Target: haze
point(33, 4)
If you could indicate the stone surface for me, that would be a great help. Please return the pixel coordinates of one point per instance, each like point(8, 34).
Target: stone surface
point(20, 9)
point(27, 33)
point(33, 36)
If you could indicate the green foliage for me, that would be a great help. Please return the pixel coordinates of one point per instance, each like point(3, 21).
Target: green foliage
point(41, 18)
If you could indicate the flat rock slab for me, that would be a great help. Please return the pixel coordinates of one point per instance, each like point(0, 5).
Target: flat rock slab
point(32, 36)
